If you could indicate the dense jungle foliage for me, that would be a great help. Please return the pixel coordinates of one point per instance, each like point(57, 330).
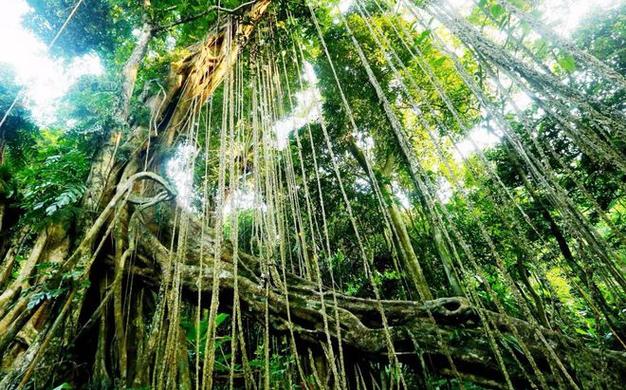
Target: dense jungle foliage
point(285, 195)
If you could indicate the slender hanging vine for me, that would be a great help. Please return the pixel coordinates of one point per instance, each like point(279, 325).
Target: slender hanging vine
point(303, 131)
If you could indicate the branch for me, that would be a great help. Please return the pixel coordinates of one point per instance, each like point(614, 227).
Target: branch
point(437, 329)
point(205, 13)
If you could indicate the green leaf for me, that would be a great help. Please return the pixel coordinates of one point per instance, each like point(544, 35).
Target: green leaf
point(582, 332)
point(36, 300)
point(221, 317)
point(497, 10)
point(51, 209)
point(63, 386)
point(567, 63)
point(439, 62)
point(422, 37)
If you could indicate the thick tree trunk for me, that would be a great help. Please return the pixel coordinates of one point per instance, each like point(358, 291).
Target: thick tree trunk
point(443, 327)
point(411, 261)
point(105, 168)
point(446, 260)
point(107, 194)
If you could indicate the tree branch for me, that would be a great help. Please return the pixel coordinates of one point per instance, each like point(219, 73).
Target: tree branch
point(433, 329)
point(205, 13)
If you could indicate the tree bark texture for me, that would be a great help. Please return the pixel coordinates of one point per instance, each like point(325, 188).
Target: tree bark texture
point(434, 329)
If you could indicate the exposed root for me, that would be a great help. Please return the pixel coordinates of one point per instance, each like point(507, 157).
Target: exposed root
point(456, 321)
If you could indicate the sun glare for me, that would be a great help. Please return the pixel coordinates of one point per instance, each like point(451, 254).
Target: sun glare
point(307, 110)
point(45, 79)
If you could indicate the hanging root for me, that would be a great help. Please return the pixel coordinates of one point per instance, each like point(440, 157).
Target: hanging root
point(456, 322)
point(21, 316)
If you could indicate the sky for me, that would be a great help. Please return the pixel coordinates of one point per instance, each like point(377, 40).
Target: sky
point(45, 80)
point(308, 108)
point(565, 14)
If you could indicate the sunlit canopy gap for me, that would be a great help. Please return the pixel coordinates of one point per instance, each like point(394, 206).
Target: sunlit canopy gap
point(45, 78)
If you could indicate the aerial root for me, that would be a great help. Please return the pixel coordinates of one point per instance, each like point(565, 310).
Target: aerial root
point(82, 258)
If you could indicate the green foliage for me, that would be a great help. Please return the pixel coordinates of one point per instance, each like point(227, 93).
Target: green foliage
point(97, 26)
point(64, 386)
point(90, 108)
point(279, 365)
point(7, 184)
point(567, 63)
point(196, 335)
point(18, 126)
point(52, 182)
point(57, 282)
point(42, 296)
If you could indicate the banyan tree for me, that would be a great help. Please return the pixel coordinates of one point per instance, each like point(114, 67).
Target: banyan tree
point(279, 194)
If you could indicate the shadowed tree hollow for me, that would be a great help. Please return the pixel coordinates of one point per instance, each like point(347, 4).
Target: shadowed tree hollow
point(302, 194)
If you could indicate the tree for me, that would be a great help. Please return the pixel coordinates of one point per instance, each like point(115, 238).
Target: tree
point(150, 275)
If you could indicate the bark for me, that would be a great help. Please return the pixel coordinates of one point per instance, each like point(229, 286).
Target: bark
point(409, 256)
point(101, 376)
point(103, 172)
point(192, 81)
point(446, 261)
point(184, 372)
point(132, 65)
point(3, 207)
point(51, 246)
point(441, 327)
point(26, 269)
point(121, 256)
point(405, 242)
point(15, 246)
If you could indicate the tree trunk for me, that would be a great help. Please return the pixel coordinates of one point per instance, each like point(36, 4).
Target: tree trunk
point(456, 330)
point(446, 261)
point(3, 207)
point(537, 301)
point(411, 260)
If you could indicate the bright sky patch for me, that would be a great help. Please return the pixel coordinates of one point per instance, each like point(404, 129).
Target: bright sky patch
point(45, 79)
